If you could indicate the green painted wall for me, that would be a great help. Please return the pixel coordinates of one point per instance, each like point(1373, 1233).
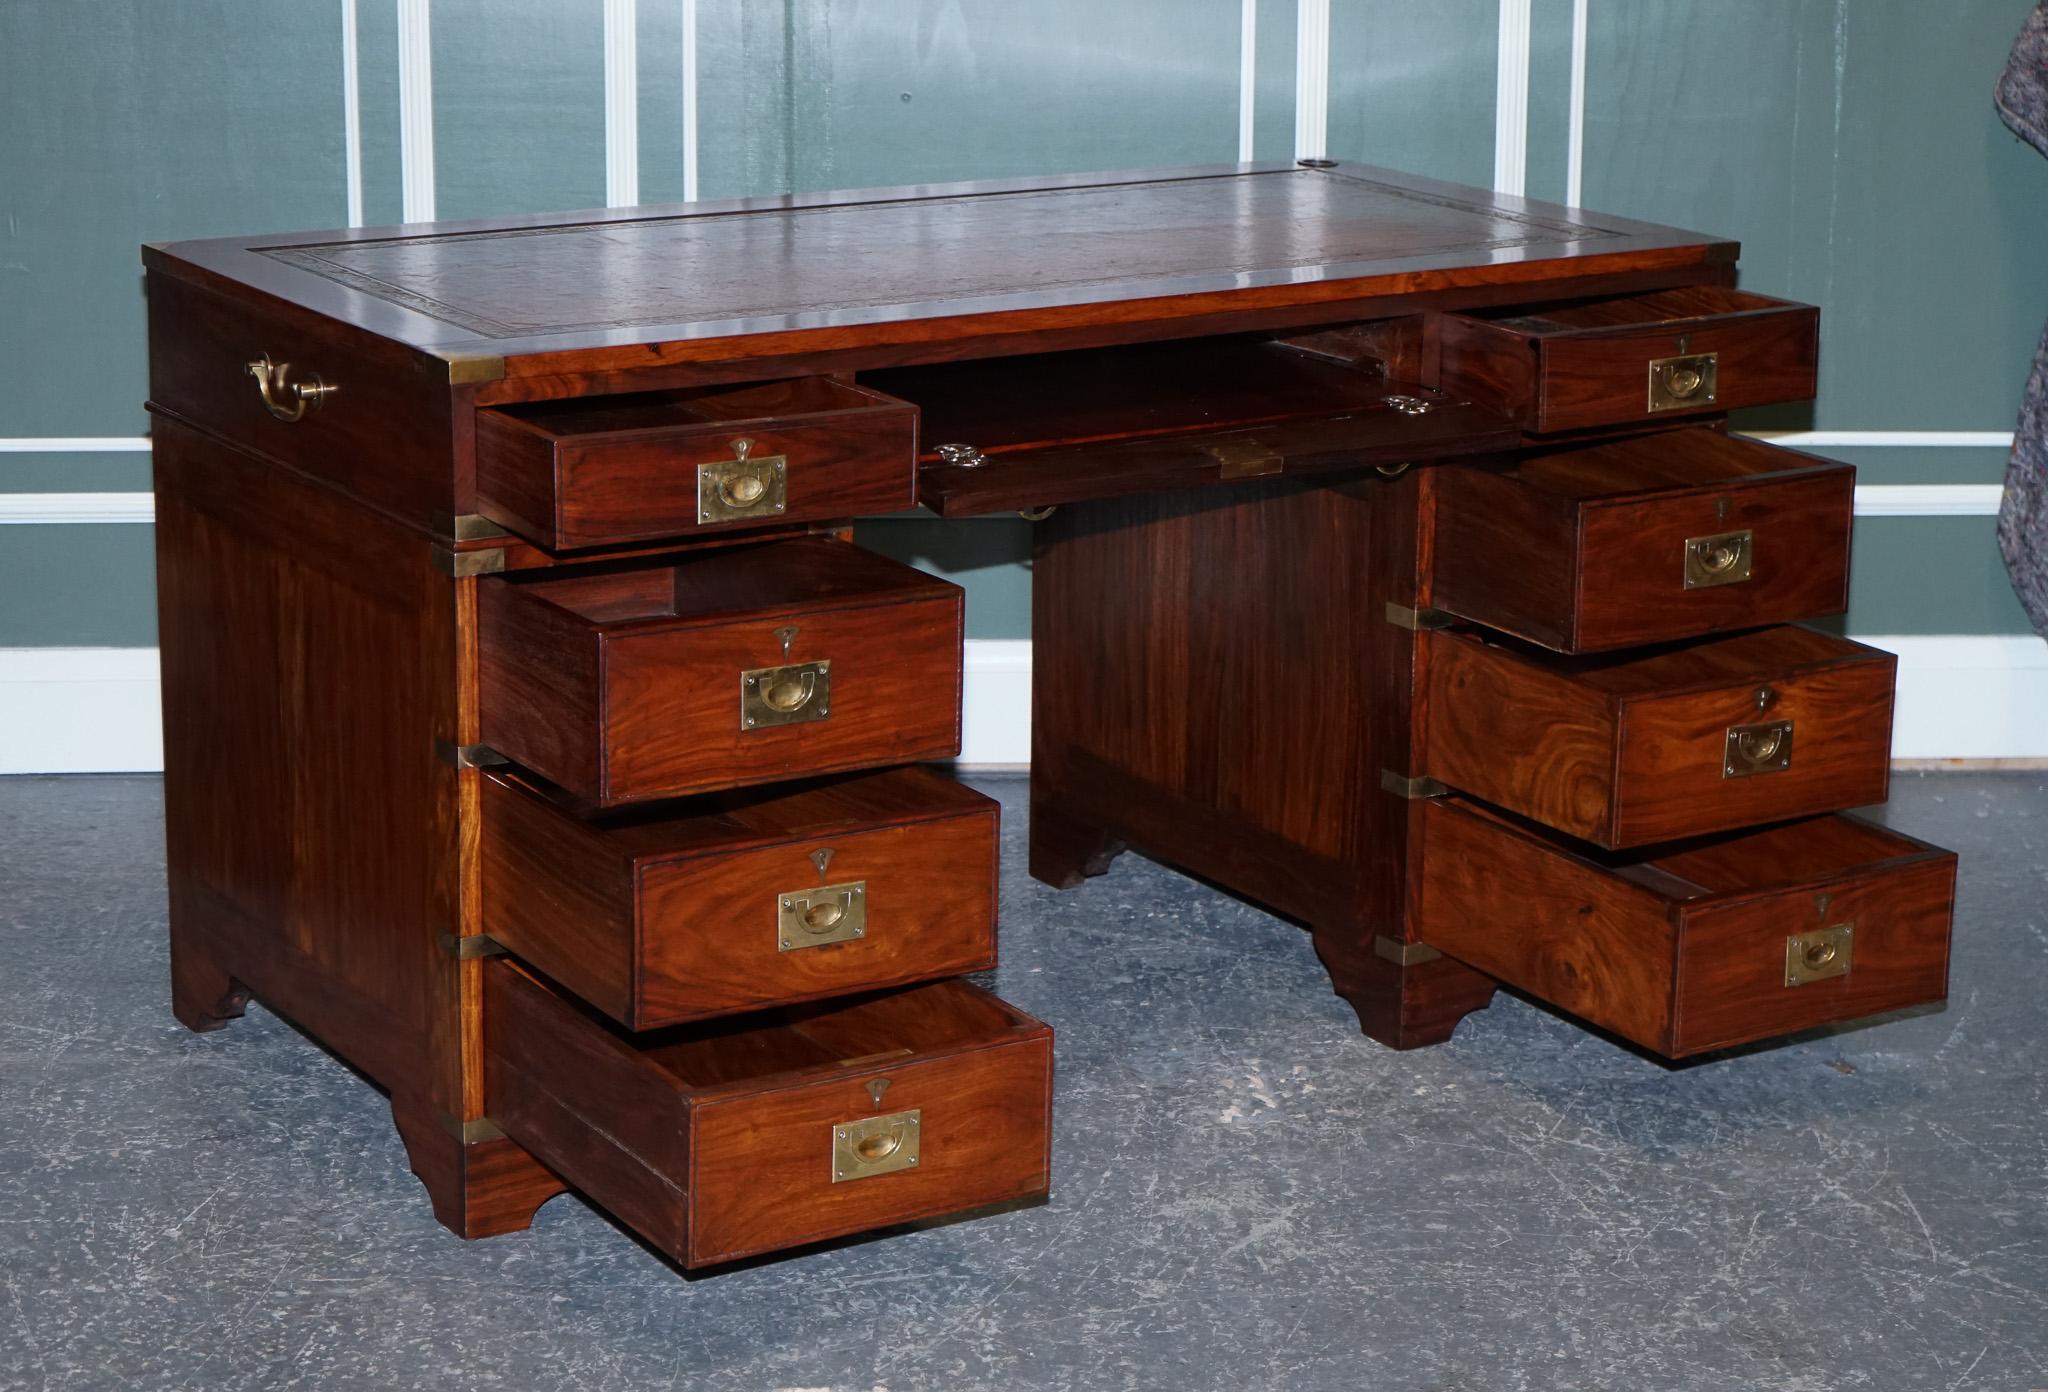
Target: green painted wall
point(1850, 146)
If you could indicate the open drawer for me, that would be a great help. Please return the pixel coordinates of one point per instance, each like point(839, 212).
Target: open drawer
point(738, 901)
point(606, 471)
point(1631, 748)
point(771, 1131)
point(1661, 537)
point(1632, 358)
point(1699, 946)
point(719, 669)
point(1053, 428)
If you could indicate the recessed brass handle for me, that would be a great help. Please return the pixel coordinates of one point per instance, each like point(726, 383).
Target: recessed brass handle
point(1723, 558)
point(828, 914)
point(788, 695)
point(1820, 954)
point(282, 397)
point(792, 693)
point(742, 487)
point(1682, 382)
point(1753, 749)
point(876, 1145)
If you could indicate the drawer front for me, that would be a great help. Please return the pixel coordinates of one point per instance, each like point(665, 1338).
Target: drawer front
point(1689, 951)
point(852, 886)
point(768, 1170)
point(1661, 356)
point(694, 712)
point(1760, 969)
point(637, 485)
point(797, 1129)
point(720, 671)
point(1643, 541)
point(1728, 733)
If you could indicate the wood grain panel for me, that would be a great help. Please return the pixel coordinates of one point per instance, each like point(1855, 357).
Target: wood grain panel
point(1684, 950)
point(1627, 749)
point(657, 919)
point(715, 1142)
point(1583, 550)
point(616, 470)
point(1579, 365)
point(668, 644)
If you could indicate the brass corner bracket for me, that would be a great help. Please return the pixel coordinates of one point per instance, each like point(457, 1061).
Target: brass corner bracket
point(1403, 954)
point(1402, 786)
point(1418, 620)
point(465, 756)
point(472, 948)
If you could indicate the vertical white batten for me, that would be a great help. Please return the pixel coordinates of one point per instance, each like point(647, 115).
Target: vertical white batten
point(621, 103)
point(689, 101)
point(351, 113)
point(1575, 160)
point(416, 110)
point(1311, 79)
point(1511, 101)
point(1247, 77)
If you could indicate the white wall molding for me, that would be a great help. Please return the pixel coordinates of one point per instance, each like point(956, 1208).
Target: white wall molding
point(1311, 79)
point(1575, 147)
point(75, 444)
point(79, 710)
point(95, 710)
point(1511, 100)
point(352, 112)
point(416, 110)
point(62, 509)
point(1969, 696)
point(1887, 439)
point(689, 101)
point(1247, 77)
point(621, 103)
point(1928, 499)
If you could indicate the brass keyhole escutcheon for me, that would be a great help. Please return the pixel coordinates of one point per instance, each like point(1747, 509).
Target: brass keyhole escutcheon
point(790, 693)
point(742, 490)
point(879, 1147)
point(823, 918)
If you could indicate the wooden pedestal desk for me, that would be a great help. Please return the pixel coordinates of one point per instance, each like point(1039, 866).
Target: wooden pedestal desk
point(538, 737)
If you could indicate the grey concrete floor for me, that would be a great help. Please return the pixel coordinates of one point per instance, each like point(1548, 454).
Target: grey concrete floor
point(1247, 1194)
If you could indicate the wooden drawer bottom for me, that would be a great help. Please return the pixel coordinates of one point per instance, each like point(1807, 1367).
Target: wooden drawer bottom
point(1699, 946)
point(772, 1131)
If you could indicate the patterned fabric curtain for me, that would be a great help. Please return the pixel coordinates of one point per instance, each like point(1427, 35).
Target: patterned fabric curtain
point(2023, 520)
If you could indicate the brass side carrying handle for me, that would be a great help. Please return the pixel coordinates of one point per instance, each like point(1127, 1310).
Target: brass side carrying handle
point(876, 1145)
point(282, 397)
point(1753, 749)
point(1722, 558)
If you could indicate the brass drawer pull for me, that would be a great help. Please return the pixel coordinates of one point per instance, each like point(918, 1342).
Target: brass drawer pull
point(1820, 954)
point(876, 1145)
point(785, 695)
point(1678, 384)
point(1755, 749)
point(814, 917)
point(1724, 558)
point(742, 487)
point(282, 397)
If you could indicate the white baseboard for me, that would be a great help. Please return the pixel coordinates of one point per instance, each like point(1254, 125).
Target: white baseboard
point(94, 710)
point(79, 710)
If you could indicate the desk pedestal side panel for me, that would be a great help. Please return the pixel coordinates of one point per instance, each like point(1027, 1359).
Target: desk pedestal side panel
point(312, 834)
point(1215, 683)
